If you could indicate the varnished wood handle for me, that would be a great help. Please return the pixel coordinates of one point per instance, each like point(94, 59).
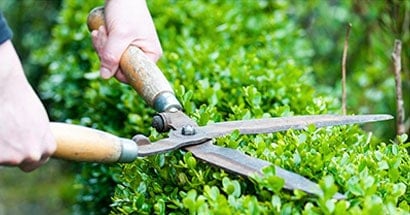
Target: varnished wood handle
point(79, 143)
point(142, 74)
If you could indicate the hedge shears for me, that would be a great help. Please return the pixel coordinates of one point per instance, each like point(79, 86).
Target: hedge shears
point(80, 143)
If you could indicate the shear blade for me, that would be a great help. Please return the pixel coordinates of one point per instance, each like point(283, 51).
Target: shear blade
point(169, 144)
point(269, 125)
point(240, 163)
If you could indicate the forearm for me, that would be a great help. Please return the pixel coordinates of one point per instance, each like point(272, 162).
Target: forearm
point(25, 137)
point(11, 70)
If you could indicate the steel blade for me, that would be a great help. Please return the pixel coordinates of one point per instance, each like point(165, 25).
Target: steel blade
point(178, 121)
point(168, 144)
point(269, 125)
point(240, 163)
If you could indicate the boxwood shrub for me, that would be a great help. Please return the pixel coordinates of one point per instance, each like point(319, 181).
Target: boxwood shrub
point(227, 60)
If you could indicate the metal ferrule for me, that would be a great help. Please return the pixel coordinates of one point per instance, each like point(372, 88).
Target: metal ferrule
point(166, 101)
point(129, 151)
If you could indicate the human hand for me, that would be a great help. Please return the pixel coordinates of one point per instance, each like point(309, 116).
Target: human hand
point(127, 22)
point(26, 140)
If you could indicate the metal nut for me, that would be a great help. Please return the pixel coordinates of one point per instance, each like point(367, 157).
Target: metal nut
point(160, 123)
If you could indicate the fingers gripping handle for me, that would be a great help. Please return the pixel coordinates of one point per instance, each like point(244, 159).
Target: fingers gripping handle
point(79, 143)
point(142, 74)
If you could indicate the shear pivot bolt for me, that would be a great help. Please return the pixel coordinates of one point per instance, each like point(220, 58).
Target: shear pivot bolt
point(158, 123)
point(188, 130)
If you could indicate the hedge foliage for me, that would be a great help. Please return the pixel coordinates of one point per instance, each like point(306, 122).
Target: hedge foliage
point(226, 60)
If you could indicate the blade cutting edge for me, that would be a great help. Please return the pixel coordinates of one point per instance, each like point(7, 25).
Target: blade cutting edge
point(240, 163)
point(269, 125)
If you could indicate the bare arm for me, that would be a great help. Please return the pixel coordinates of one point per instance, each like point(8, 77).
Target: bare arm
point(25, 137)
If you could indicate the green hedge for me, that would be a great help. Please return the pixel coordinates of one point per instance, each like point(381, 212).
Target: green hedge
point(226, 60)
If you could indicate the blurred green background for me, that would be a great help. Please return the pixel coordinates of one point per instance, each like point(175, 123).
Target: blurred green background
point(52, 188)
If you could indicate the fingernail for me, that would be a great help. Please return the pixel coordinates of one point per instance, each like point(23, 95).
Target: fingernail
point(105, 73)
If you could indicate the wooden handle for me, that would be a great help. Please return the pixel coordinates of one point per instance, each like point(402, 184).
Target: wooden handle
point(142, 74)
point(79, 143)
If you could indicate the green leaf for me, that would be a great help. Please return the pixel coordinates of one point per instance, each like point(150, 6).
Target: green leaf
point(190, 201)
point(228, 186)
point(329, 189)
point(211, 192)
point(276, 203)
point(341, 207)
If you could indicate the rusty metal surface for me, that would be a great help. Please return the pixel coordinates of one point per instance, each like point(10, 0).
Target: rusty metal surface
point(237, 162)
point(269, 125)
point(169, 144)
point(177, 120)
point(185, 133)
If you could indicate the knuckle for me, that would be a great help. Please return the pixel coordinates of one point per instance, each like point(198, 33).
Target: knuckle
point(51, 148)
point(107, 59)
point(51, 144)
point(33, 156)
